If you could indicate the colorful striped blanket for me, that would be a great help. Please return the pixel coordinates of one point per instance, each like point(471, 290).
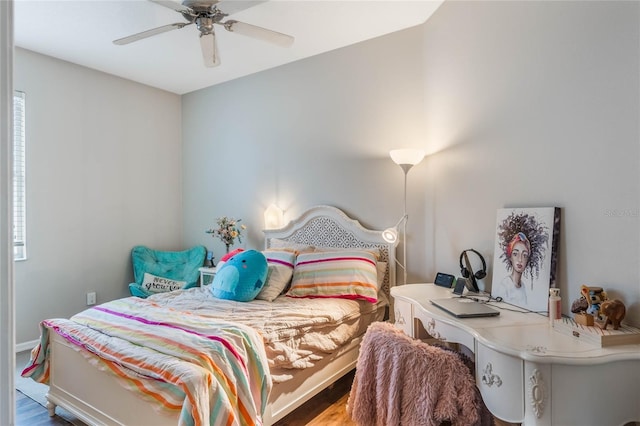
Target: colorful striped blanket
point(214, 372)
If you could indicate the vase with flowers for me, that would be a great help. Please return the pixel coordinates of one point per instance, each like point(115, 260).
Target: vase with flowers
point(228, 231)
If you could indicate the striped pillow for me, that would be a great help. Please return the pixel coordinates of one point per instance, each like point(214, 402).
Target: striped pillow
point(280, 264)
point(348, 274)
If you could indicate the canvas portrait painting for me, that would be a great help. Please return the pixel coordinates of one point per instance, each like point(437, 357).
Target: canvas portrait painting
point(525, 256)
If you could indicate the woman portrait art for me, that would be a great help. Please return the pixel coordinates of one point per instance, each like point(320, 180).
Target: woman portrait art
point(525, 256)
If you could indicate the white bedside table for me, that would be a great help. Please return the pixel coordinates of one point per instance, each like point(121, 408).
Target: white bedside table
point(206, 275)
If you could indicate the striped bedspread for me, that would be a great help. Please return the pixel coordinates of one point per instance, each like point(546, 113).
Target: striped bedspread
point(213, 371)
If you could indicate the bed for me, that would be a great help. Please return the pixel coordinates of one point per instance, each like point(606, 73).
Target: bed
point(97, 396)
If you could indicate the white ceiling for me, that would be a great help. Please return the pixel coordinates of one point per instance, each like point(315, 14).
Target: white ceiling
point(82, 31)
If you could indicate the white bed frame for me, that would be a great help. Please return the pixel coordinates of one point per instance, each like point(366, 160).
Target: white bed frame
point(97, 398)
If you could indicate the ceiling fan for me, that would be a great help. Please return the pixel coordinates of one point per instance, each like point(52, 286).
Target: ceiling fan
point(205, 13)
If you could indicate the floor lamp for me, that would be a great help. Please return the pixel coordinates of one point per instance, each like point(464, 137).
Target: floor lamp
point(406, 159)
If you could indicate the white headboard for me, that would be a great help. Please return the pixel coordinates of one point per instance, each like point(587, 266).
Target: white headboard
point(327, 226)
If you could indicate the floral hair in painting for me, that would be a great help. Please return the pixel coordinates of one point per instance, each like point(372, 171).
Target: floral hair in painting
point(525, 228)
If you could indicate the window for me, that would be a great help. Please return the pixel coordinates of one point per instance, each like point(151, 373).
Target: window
point(19, 218)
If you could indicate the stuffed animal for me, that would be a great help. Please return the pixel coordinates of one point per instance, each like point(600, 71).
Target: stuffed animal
point(579, 305)
point(614, 312)
point(594, 296)
point(228, 256)
point(241, 277)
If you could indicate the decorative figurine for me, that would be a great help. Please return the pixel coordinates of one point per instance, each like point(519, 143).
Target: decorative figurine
point(579, 305)
point(595, 296)
point(587, 307)
point(613, 312)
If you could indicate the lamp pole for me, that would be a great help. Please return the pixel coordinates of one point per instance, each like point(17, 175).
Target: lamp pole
point(406, 159)
point(405, 169)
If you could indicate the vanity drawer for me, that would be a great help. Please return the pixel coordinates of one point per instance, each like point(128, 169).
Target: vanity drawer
point(443, 331)
point(500, 380)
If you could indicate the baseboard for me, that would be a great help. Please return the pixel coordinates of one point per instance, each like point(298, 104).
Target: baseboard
point(26, 346)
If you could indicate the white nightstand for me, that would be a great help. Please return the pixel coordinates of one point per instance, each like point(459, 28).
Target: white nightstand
point(206, 275)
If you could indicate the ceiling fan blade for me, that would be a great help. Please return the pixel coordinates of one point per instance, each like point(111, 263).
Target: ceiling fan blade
point(260, 33)
point(173, 5)
point(149, 33)
point(209, 49)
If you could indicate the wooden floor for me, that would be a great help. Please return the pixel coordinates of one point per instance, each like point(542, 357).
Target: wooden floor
point(328, 408)
point(30, 413)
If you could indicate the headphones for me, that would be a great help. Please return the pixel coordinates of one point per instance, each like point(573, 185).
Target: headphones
point(466, 273)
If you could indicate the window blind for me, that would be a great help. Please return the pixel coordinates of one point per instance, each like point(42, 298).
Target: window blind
point(19, 190)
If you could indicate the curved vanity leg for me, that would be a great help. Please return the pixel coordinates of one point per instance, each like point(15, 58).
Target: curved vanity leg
point(51, 407)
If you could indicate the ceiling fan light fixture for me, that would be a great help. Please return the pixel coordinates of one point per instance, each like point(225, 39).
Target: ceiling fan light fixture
point(204, 24)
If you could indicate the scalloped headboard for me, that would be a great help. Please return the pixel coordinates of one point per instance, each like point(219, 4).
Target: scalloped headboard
point(327, 226)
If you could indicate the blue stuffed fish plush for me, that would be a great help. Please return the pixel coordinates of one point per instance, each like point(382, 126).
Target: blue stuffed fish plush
point(242, 277)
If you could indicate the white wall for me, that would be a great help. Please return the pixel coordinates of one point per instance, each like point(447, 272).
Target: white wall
point(537, 104)
point(312, 132)
point(519, 104)
point(104, 167)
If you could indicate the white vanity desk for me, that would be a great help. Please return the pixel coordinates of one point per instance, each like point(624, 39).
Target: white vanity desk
point(527, 372)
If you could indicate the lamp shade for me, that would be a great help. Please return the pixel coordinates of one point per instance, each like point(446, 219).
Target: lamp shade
point(390, 235)
point(273, 217)
point(407, 156)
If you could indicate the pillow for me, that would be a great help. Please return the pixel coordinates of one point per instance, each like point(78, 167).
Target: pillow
point(381, 268)
point(279, 275)
point(348, 274)
point(374, 250)
point(241, 277)
point(155, 284)
point(276, 243)
point(228, 256)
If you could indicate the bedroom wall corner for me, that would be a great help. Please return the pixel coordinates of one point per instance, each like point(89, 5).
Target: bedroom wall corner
point(104, 173)
point(517, 104)
point(316, 131)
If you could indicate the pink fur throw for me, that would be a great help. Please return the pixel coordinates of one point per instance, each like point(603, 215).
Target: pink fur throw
point(402, 381)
